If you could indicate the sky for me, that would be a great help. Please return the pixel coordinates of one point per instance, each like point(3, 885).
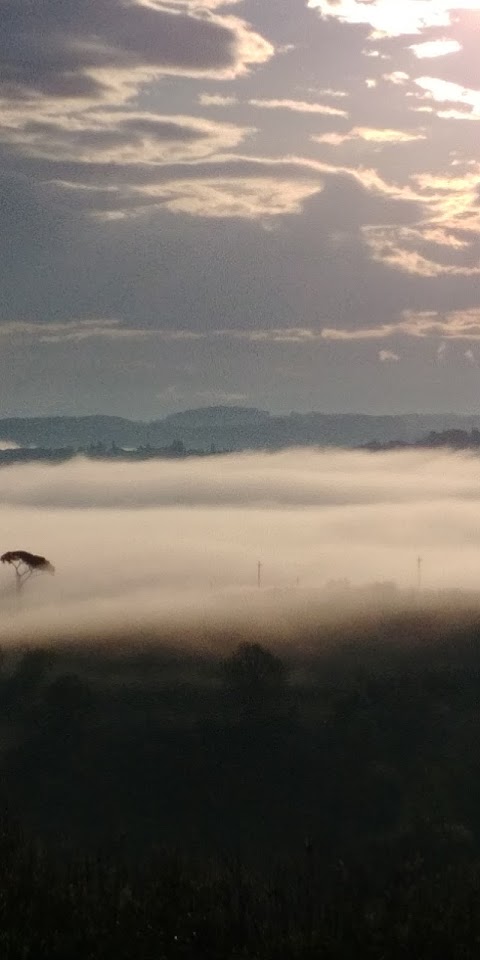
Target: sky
point(270, 204)
point(162, 544)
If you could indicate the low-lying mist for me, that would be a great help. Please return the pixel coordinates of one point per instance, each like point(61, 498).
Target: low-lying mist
point(176, 543)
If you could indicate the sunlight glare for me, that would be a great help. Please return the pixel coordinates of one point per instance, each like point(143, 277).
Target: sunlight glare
point(394, 19)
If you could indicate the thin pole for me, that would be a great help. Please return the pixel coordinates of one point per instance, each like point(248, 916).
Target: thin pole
point(419, 572)
point(259, 573)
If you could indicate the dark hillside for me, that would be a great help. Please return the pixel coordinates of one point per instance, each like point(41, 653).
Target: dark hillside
point(177, 804)
point(232, 428)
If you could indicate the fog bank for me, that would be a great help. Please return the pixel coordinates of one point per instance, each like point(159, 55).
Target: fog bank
point(179, 541)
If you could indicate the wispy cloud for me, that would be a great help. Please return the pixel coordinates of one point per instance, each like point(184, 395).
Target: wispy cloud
point(453, 325)
point(77, 331)
point(430, 49)
point(216, 100)
point(388, 356)
point(299, 106)
point(373, 135)
point(126, 138)
point(398, 78)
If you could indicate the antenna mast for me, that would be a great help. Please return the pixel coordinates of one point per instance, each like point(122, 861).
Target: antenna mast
point(419, 572)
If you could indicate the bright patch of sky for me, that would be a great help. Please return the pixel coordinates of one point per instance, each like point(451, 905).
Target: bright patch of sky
point(435, 48)
point(390, 18)
point(442, 91)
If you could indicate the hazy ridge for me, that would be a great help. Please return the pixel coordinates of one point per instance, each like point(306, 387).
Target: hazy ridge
point(230, 427)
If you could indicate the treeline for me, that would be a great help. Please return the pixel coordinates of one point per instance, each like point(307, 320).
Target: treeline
point(101, 451)
point(185, 804)
point(452, 439)
point(449, 439)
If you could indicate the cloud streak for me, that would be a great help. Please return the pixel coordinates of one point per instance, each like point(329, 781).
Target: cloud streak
point(453, 325)
point(299, 106)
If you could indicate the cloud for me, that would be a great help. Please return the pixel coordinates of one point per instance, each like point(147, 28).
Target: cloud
point(423, 251)
point(226, 185)
point(387, 19)
point(388, 356)
point(330, 92)
point(287, 335)
point(216, 100)
point(371, 180)
point(384, 135)
point(373, 135)
point(183, 4)
point(122, 164)
point(445, 241)
point(464, 102)
point(398, 78)
point(442, 351)
point(452, 325)
point(105, 50)
point(245, 198)
point(113, 138)
point(435, 48)
point(456, 325)
point(299, 106)
point(78, 331)
point(69, 118)
point(375, 54)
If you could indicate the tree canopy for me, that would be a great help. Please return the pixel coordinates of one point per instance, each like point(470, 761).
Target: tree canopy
point(26, 564)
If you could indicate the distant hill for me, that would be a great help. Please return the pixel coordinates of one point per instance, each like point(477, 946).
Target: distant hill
point(232, 428)
point(71, 431)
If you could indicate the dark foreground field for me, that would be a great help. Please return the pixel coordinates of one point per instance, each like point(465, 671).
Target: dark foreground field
point(319, 802)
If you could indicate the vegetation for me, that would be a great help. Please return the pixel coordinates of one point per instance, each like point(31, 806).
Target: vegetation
point(320, 803)
point(25, 565)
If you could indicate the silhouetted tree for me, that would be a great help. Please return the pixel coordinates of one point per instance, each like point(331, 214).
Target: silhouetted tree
point(28, 676)
point(26, 564)
point(177, 448)
point(255, 677)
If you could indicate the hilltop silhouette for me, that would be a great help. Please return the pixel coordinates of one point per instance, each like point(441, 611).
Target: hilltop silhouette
point(230, 428)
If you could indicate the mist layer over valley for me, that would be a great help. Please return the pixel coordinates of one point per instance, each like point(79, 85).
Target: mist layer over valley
point(175, 541)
